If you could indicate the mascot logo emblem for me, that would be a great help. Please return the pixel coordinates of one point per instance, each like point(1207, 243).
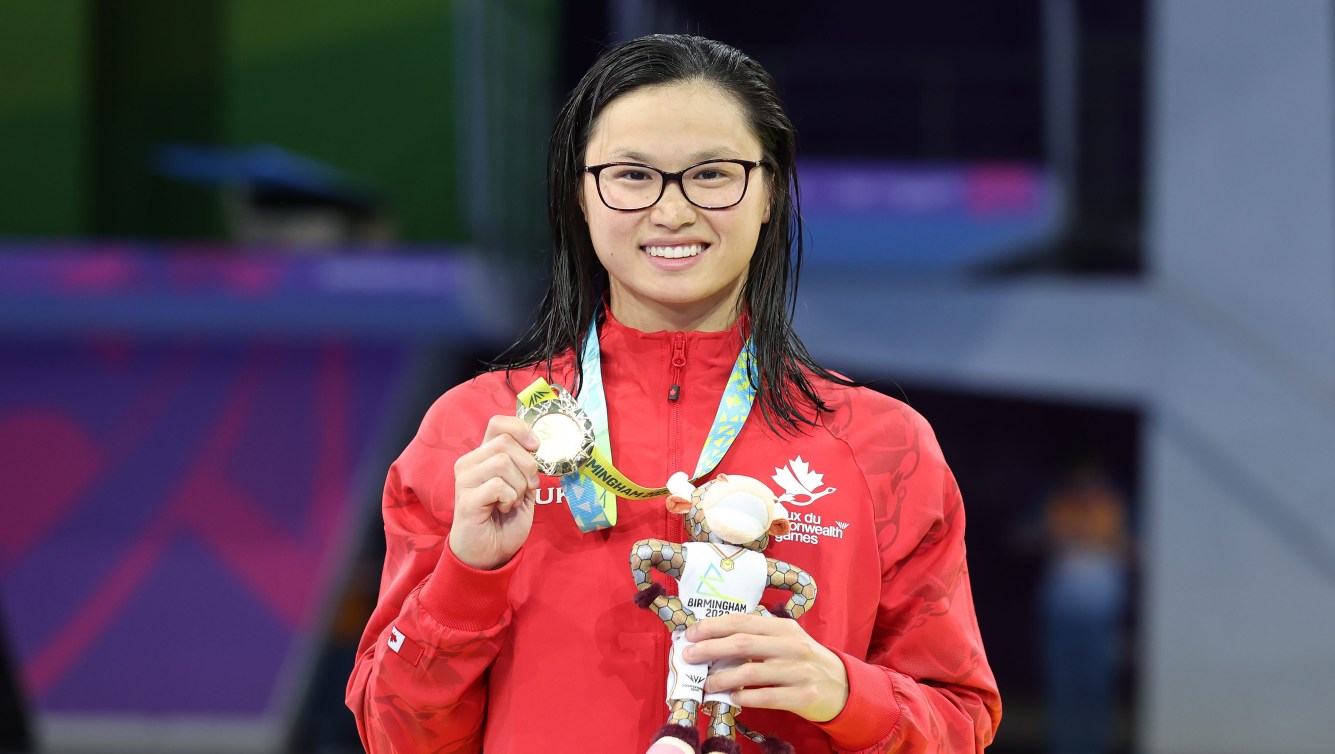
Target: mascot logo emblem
point(710, 582)
point(801, 485)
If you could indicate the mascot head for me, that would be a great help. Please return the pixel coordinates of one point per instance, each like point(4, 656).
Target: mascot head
point(729, 509)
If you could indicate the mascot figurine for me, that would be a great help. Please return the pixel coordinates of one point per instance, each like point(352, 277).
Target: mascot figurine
point(722, 570)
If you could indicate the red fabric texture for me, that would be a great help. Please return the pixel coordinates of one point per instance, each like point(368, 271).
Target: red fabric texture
point(549, 652)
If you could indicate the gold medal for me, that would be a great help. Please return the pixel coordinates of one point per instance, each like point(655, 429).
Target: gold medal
point(565, 433)
point(727, 564)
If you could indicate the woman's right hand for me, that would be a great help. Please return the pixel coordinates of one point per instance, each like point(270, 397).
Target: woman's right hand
point(495, 489)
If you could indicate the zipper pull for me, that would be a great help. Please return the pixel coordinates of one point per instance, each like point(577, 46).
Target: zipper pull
point(678, 361)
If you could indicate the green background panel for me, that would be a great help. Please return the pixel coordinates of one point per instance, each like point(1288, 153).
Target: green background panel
point(398, 93)
point(42, 112)
point(365, 87)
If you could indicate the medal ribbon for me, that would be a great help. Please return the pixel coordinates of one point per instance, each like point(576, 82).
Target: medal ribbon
point(592, 490)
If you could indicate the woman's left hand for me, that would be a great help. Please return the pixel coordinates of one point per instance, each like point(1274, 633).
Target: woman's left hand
point(781, 666)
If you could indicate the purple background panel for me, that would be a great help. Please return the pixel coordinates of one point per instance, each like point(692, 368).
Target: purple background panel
point(174, 512)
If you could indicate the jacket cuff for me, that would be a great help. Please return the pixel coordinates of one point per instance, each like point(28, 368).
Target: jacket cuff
point(871, 712)
point(464, 598)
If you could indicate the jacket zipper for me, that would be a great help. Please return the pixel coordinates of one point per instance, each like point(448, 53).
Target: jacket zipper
point(674, 397)
point(675, 528)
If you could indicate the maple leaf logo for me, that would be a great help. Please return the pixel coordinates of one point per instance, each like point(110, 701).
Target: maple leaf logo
point(800, 483)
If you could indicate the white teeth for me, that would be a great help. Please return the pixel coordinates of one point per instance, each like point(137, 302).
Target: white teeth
point(674, 252)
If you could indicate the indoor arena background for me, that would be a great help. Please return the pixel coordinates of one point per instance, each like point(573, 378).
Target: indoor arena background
point(245, 243)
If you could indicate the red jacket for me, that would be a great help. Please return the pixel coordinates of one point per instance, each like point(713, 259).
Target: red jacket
point(548, 653)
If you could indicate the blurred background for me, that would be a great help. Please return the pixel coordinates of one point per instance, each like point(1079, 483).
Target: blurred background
point(244, 244)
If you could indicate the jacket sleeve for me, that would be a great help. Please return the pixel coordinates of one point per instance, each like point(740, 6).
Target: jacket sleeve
point(419, 680)
point(925, 686)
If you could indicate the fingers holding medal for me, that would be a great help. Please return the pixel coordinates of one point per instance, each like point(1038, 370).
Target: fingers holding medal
point(495, 492)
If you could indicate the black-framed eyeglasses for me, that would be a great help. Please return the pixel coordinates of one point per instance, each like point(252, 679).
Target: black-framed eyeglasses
point(712, 184)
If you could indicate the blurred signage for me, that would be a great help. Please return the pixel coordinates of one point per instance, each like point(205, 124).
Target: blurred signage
point(928, 217)
point(52, 288)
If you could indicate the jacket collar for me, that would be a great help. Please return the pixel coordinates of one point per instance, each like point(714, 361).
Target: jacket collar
point(705, 351)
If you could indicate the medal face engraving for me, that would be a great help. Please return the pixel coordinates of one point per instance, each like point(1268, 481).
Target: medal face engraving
point(565, 434)
point(558, 436)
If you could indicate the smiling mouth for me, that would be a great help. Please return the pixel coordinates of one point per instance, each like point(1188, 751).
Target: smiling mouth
point(675, 252)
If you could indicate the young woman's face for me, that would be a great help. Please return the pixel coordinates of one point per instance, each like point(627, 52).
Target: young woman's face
point(674, 266)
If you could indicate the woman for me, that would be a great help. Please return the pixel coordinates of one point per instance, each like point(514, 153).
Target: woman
point(502, 627)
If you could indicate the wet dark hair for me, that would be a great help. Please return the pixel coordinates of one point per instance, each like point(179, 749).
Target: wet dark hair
point(578, 281)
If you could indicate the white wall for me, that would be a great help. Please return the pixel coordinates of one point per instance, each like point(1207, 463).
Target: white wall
point(1241, 602)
